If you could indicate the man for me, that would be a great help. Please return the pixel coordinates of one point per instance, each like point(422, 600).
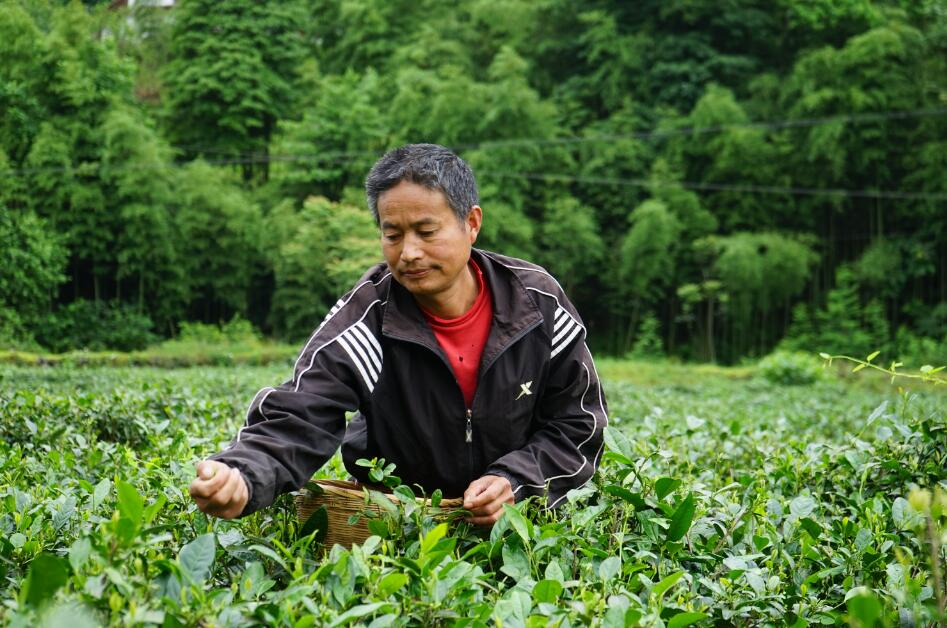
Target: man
point(468, 369)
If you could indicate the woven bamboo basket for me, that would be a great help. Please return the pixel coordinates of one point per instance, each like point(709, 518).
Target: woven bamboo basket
point(343, 499)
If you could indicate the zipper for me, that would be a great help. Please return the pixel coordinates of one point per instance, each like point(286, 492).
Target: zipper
point(469, 439)
point(468, 432)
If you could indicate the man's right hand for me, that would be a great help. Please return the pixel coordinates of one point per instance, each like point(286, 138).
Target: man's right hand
point(219, 490)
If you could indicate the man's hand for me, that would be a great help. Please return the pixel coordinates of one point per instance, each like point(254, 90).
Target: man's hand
point(484, 498)
point(219, 490)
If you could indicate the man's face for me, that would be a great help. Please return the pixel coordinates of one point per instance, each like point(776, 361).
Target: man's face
point(425, 245)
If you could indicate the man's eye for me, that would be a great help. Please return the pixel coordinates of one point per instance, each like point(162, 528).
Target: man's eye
point(426, 234)
point(392, 237)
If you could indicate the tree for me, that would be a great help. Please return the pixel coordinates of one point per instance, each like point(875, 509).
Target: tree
point(646, 262)
point(137, 178)
point(747, 265)
point(220, 233)
point(322, 249)
point(332, 146)
point(32, 260)
point(231, 77)
point(570, 245)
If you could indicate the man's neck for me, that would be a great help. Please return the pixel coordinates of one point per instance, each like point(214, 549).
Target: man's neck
point(457, 301)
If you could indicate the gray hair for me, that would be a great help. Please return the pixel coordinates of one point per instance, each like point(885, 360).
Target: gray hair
point(428, 165)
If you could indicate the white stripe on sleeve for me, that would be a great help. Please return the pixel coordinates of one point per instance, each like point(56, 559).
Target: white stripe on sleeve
point(357, 361)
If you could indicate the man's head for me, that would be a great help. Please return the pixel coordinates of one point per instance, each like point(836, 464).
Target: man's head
point(424, 199)
point(429, 165)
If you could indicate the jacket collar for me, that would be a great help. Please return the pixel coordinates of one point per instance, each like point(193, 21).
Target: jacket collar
point(514, 310)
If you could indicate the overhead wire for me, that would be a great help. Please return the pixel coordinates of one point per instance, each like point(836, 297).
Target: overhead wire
point(772, 125)
point(724, 187)
point(347, 157)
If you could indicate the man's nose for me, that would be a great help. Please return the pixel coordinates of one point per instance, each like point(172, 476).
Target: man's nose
point(411, 250)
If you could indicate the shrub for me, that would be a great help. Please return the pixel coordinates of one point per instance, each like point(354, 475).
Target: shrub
point(791, 368)
point(648, 343)
point(96, 326)
point(916, 350)
point(235, 330)
point(844, 325)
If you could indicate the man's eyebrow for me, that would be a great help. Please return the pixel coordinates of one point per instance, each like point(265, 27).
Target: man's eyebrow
point(418, 223)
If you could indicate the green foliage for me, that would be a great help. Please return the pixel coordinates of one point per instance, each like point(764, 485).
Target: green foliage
point(714, 506)
point(317, 253)
point(570, 244)
point(31, 268)
point(844, 324)
point(221, 241)
point(232, 75)
point(342, 122)
point(791, 368)
point(234, 330)
point(95, 326)
point(121, 129)
point(648, 343)
point(648, 250)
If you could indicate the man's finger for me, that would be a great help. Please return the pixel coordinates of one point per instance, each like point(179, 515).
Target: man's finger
point(235, 504)
point(211, 478)
point(223, 497)
point(489, 495)
point(487, 490)
point(478, 493)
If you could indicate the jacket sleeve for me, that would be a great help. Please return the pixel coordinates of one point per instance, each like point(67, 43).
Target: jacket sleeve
point(564, 451)
point(293, 429)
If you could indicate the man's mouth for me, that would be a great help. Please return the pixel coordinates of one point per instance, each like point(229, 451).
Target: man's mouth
point(420, 272)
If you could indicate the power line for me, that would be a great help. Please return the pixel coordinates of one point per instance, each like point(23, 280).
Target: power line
point(347, 156)
point(771, 125)
point(726, 187)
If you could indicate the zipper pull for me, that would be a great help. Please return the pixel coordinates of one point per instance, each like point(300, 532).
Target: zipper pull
point(469, 427)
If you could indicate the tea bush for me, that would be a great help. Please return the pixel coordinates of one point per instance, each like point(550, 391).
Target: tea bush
point(791, 368)
point(717, 503)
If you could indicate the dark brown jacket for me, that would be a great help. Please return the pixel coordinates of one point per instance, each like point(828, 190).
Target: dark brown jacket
point(536, 418)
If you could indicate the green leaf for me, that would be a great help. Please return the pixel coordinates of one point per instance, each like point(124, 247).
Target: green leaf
point(810, 526)
point(314, 488)
point(858, 368)
point(520, 524)
point(685, 619)
point(101, 492)
point(46, 575)
point(865, 607)
point(317, 522)
point(609, 568)
point(681, 519)
point(618, 442)
point(665, 486)
point(431, 538)
point(391, 583)
point(659, 589)
point(79, 552)
point(825, 356)
point(872, 356)
point(130, 504)
point(197, 557)
point(362, 610)
point(547, 591)
point(634, 499)
point(802, 506)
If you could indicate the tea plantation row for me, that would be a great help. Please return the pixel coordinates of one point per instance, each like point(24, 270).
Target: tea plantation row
point(717, 503)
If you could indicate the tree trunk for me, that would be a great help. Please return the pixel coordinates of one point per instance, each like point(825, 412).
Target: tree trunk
point(710, 330)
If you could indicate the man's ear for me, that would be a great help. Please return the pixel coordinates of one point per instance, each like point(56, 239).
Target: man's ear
point(474, 222)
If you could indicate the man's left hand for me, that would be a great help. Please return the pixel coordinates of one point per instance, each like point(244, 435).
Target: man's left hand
point(484, 498)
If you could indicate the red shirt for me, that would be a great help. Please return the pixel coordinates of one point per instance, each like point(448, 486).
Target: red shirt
point(463, 338)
